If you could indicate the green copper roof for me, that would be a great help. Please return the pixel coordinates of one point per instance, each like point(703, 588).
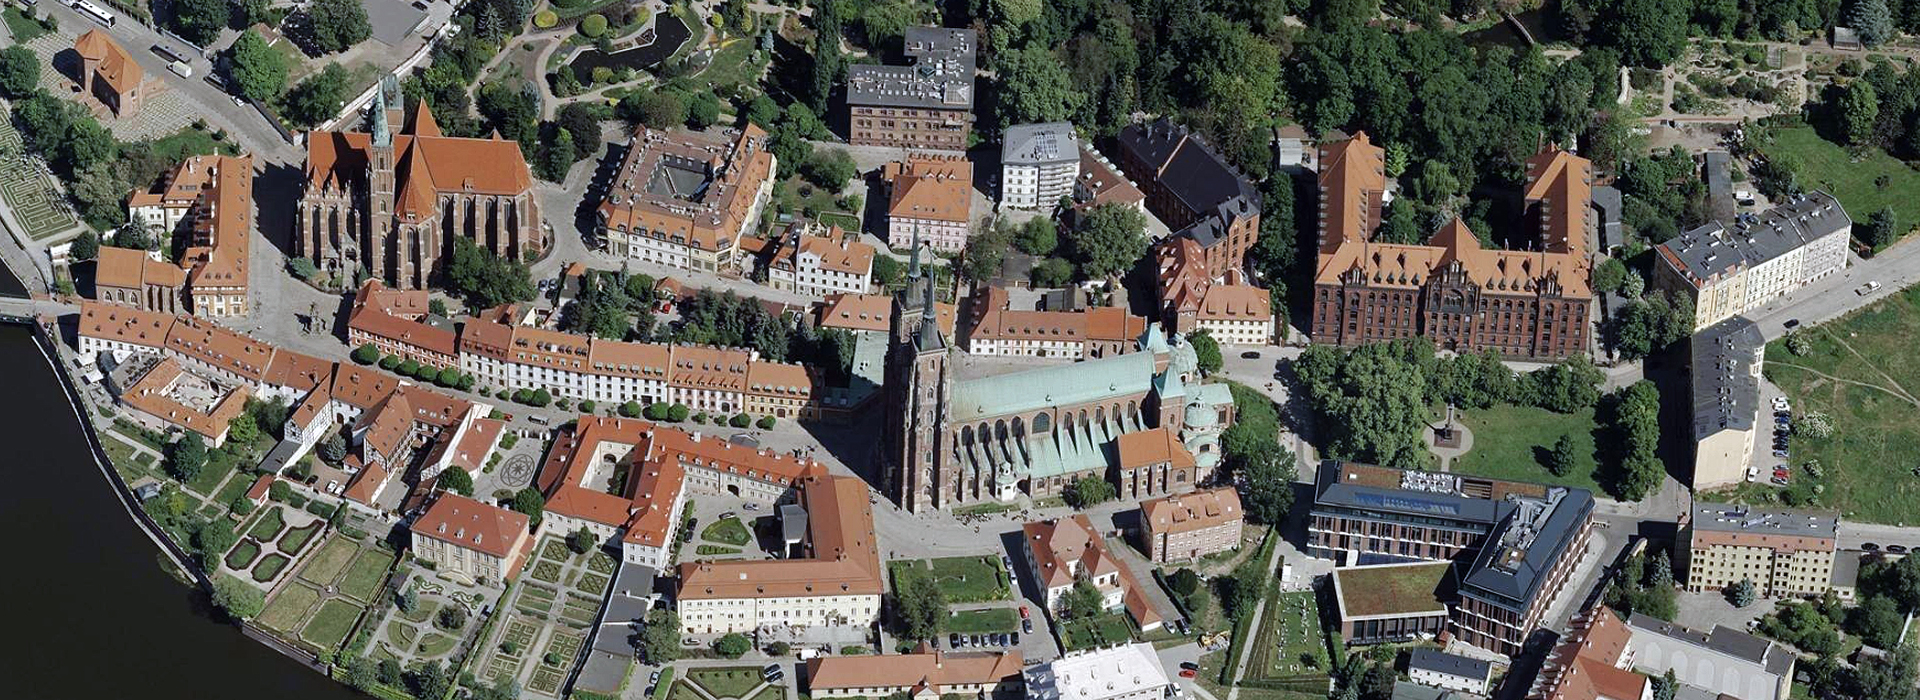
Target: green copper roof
point(1021, 393)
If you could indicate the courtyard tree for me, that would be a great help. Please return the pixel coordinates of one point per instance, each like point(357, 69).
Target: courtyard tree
point(186, 456)
point(1082, 601)
point(732, 645)
point(1741, 594)
point(1108, 240)
point(1089, 491)
point(237, 599)
point(212, 541)
point(1036, 87)
point(1206, 350)
point(452, 617)
point(581, 540)
point(258, 71)
point(1609, 275)
point(659, 641)
point(830, 169)
point(1270, 475)
point(86, 247)
point(919, 607)
point(456, 480)
point(631, 409)
point(529, 502)
point(1859, 109)
point(408, 601)
point(333, 449)
point(19, 72)
point(338, 24)
point(1878, 621)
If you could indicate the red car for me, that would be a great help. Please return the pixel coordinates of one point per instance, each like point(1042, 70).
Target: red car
point(1187, 673)
point(1023, 613)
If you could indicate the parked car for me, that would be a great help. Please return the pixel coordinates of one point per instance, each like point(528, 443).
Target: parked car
point(1189, 665)
point(1013, 639)
point(1777, 481)
point(654, 679)
point(1250, 355)
point(729, 515)
point(953, 640)
point(1026, 625)
point(1897, 548)
point(770, 670)
point(1867, 288)
point(1024, 613)
point(752, 506)
point(1188, 673)
point(1783, 454)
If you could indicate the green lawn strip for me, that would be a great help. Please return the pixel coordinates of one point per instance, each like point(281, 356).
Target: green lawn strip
point(267, 524)
point(436, 644)
point(208, 480)
point(326, 564)
point(365, 574)
point(1101, 630)
point(846, 222)
point(331, 623)
point(189, 141)
point(288, 607)
point(771, 692)
point(970, 579)
point(297, 538)
point(243, 555)
point(19, 27)
point(666, 684)
point(402, 635)
point(269, 567)
point(235, 488)
point(682, 691)
point(731, 66)
point(1509, 442)
point(1854, 180)
point(537, 594)
point(727, 531)
point(714, 550)
point(984, 621)
point(726, 682)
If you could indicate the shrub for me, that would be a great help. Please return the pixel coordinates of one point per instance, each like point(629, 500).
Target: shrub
point(366, 354)
point(700, 417)
point(765, 423)
point(594, 25)
point(321, 508)
point(588, 406)
point(546, 19)
point(740, 420)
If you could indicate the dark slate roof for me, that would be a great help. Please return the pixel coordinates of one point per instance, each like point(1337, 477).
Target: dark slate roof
point(1460, 509)
point(1719, 183)
point(1450, 664)
point(1039, 144)
point(1188, 167)
point(1606, 199)
point(940, 77)
point(1532, 535)
point(1403, 690)
point(1723, 639)
point(1713, 249)
point(1726, 395)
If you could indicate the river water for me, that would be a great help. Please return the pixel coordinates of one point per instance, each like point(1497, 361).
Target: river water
point(90, 613)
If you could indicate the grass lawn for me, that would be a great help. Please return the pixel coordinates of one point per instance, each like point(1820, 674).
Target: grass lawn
point(594, 583)
point(1102, 630)
point(366, 573)
point(1509, 442)
point(710, 550)
point(269, 567)
point(242, 555)
point(727, 531)
point(1290, 646)
point(849, 222)
point(191, 142)
point(289, 607)
point(771, 692)
point(1868, 462)
point(421, 614)
point(19, 27)
point(436, 644)
point(728, 682)
point(297, 538)
point(730, 66)
point(963, 579)
point(326, 564)
point(1392, 589)
point(331, 623)
point(1827, 166)
point(267, 524)
point(402, 635)
point(235, 488)
point(205, 482)
point(984, 621)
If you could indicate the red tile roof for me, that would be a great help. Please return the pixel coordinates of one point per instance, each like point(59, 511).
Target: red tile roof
point(470, 524)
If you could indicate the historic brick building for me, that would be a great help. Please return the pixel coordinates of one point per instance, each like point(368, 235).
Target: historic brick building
point(393, 200)
point(1465, 296)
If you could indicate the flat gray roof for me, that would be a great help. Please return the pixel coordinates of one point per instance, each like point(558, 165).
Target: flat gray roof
point(1721, 517)
point(940, 76)
point(1726, 394)
point(1450, 664)
point(1039, 144)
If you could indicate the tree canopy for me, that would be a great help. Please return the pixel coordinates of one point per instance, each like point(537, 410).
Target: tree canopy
point(258, 71)
point(1108, 240)
point(338, 24)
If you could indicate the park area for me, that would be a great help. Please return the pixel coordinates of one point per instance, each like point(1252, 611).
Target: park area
point(1512, 442)
point(30, 191)
point(725, 683)
point(548, 613)
point(1105, 629)
point(1861, 372)
point(972, 579)
point(1856, 181)
point(321, 603)
point(1289, 651)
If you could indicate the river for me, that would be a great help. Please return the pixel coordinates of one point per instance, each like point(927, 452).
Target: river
point(90, 611)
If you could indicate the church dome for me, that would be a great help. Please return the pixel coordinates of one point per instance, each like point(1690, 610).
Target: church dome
point(1184, 361)
point(1199, 416)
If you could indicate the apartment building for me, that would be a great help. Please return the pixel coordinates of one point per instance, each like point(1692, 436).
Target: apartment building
point(1191, 525)
point(1101, 182)
point(1729, 271)
point(926, 670)
point(472, 541)
point(925, 105)
point(1065, 552)
point(685, 199)
point(1785, 553)
point(1039, 164)
point(998, 330)
point(872, 313)
point(395, 322)
point(1514, 543)
point(1122, 672)
point(1233, 312)
point(930, 202)
point(818, 266)
point(1724, 378)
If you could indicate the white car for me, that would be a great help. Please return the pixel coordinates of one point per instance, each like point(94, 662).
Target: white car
point(1867, 288)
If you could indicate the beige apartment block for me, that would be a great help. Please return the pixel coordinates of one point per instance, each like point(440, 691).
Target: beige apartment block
point(1193, 525)
point(1785, 553)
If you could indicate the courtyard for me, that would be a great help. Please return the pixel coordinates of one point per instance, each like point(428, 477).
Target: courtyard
point(724, 683)
point(968, 579)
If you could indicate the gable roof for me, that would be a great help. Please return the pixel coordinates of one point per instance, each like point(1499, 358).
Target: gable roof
point(115, 65)
point(930, 187)
point(470, 524)
point(1192, 511)
point(925, 669)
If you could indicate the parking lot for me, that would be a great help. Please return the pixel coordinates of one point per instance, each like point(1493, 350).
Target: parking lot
point(1772, 466)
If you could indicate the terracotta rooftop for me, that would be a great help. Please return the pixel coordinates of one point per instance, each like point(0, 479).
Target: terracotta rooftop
point(431, 163)
point(872, 312)
point(471, 524)
point(1062, 546)
point(1144, 447)
point(687, 187)
point(125, 268)
point(1192, 511)
point(215, 345)
point(930, 187)
point(842, 556)
point(928, 670)
point(116, 66)
point(151, 394)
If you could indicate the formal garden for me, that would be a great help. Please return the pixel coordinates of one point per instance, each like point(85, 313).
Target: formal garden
point(546, 619)
point(968, 579)
point(320, 605)
point(724, 683)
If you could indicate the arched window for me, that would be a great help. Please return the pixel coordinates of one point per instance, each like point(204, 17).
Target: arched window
point(1040, 423)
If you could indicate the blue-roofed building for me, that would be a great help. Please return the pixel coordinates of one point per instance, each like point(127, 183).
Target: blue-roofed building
point(1518, 542)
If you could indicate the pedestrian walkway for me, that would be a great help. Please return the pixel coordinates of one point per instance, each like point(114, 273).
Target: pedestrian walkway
point(1259, 611)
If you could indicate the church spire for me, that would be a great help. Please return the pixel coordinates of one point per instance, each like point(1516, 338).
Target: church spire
point(913, 265)
point(382, 135)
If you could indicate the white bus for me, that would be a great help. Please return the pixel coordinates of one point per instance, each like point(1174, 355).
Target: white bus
point(96, 12)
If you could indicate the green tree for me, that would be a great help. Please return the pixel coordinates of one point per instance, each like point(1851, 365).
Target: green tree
point(582, 540)
point(199, 21)
point(86, 247)
point(333, 449)
point(1609, 275)
point(212, 540)
point(1741, 594)
point(258, 71)
point(529, 501)
point(1089, 491)
point(1037, 236)
point(1035, 87)
point(1859, 108)
point(660, 637)
point(1567, 457)
point(1270, 476)
point(732, 645)
point(557, 157)
point(243, 430)
point(703, 110)
point(1206, 350)
point(1082, 601)
point(238, 600)
point(451, 617)
point(1878, 621)
point(19, 72)
point(366, 354)
point(658, 109)
point(456, 480)
point(1052, 272)
point(1108, 240)
point(631, 409)
point(486, 280)
point(1636, 431)
point(1871, 20)
point(338, 24)
point(830, 169)
point(186, 456)
point(319, 97)
point(1881, 230)
point(100, 193)
point(1647, 33)
point(919, 606)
